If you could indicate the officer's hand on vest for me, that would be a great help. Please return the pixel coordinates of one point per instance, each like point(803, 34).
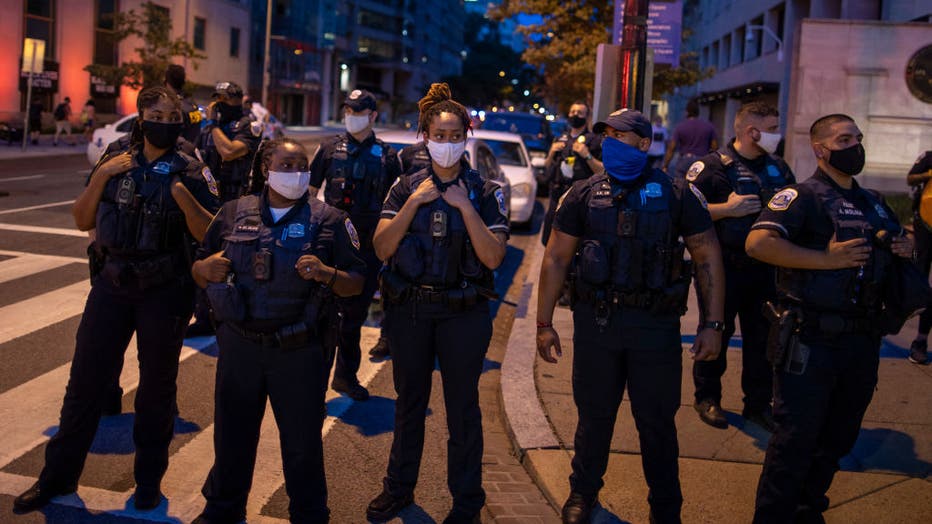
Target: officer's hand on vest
point(425, 193)
point(311, 268)
point(707, 345)
point(556, 147)
point(850, 253)
point(742, 205)
point(903, 246)
point(457, 196)
point(116, 165)
point(213, 268)
point(548, 338)
point(580, 148)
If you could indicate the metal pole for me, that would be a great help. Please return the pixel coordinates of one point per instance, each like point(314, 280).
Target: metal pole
point(32, 67)
point(266, 76)
point(633, 50)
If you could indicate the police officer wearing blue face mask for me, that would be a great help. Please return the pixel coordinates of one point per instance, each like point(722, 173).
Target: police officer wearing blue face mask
point(147, 204)
point(358, 169)
point(268, 262)
point(834, 245)
point(735, 180)
point(625, 224)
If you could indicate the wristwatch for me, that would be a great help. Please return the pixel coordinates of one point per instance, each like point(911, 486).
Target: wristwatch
point(717, 325)
point(588, 157)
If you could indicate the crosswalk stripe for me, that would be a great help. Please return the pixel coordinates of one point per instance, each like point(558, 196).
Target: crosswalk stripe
point(44, 230)
point(40, 311)
point(25, 264)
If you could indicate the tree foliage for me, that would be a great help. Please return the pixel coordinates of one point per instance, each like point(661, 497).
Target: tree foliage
point(153, 27)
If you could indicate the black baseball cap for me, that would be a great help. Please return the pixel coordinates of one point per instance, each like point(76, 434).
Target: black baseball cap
point(230, 89)
point(359, 100)
point(626, 120)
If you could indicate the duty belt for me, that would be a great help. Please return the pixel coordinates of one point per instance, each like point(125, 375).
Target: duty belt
point(823, 323)
point(430, 294)
point(637, 299)
point(264, 339)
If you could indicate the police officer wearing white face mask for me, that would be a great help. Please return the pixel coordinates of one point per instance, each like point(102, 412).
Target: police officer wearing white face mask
point(736, 179)
point(358, 169)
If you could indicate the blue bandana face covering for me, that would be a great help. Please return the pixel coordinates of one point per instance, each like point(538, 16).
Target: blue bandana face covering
point(623, 162)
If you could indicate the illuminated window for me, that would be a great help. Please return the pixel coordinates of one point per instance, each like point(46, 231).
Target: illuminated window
point(200, 33)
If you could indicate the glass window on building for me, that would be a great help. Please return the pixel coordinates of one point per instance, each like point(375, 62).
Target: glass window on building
point(200, 33)
point(234, 41)
point(725, 61)
point(105, 49)
point(39, 21)
point(777, 16)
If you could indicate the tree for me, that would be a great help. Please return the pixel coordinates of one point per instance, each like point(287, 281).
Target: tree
point(153, 26)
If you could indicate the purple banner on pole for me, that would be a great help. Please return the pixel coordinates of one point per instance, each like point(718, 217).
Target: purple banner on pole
point(664, 29)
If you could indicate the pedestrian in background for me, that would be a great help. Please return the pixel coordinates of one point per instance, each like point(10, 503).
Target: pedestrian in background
point(88, 117)
point(658, 146)
point(145, 203)
point(834, 245)
point(630, 293)
point(443, 230)
point(62, 116)
point(268, 261)
point(35, 120)
point(692, 138)
point(919, 175)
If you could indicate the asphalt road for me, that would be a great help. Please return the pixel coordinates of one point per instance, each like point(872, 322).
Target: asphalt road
point(43, 284)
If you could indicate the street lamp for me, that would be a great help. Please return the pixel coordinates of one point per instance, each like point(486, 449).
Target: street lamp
point(749, 36)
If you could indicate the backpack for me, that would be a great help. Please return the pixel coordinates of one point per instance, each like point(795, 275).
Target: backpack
point(60, 112)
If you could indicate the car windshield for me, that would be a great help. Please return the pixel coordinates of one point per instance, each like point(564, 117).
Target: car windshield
point(507, 153)
point(524, 126)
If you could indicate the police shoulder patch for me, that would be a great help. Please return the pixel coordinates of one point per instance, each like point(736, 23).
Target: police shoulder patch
point(211, 181)
point(502, 205)
point(255, 128)
point(695, 170)
point(351, 231)
point(782, 200)
point(699, 196)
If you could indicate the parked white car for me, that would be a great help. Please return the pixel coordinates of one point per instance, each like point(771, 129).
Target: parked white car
point(513, 158)
point(107, 134)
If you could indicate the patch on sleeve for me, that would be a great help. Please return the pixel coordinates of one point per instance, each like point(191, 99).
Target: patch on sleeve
point(699, 196)
point(211, 182)
point(782, 200)
point(255, 128)
point(502, 205)
point(694, 170)
point(351, 231)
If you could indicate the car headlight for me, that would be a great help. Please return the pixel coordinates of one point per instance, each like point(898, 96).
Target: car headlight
point(521, 190)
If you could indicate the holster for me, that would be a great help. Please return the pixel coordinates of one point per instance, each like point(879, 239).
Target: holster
point(395, 288)
point(226, 302)
point(293, 336)
point(783, 337)
point(95, 260)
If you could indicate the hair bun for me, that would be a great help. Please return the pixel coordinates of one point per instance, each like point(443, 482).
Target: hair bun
point(438, 92)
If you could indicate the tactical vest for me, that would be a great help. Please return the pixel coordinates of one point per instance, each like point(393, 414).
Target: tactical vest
point(137, 215)
point(414, 158)
point(436, 251)
point(356, 180)
point(631, 253)
point(232, 175)
point(852, 291)
point(263, 259)
point(733, 231)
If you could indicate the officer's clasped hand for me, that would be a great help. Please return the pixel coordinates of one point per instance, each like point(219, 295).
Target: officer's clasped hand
point(309, 267)
point(707, 345)
point(548, 338)
point(425, 193)
point(902, 246)
point(743, 205)
point(457, 196)
point(580, 149)
point(214, 268)
point(119, 164)
point(850, 253)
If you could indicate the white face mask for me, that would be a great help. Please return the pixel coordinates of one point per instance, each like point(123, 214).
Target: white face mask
point(446, 154)
point(289, 184)
point(356, 123)
point(769, 141)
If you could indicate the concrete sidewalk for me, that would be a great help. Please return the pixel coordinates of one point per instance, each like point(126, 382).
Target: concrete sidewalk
point(885, 479)
point(45, 148)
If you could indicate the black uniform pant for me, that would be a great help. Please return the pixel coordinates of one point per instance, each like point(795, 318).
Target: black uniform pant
point(556, 191)
point(818, 416)
point(249, 375)
point(421, 334)
point(644, 354)
point(159, 317)
point(355, 310)
point(747, 287)
point(924, 259)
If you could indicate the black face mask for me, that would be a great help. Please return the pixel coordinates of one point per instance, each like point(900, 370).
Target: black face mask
point(576, 121)
point(228, 112)
point(162, 135)
point(849, 161)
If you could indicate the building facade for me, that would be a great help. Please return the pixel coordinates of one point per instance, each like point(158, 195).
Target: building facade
point(78, 33)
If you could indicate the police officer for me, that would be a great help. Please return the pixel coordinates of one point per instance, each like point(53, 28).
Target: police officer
point(819, 235)
point(267, 261)
point(735, 180)
point(174, 80)
point(918, 177)
point(146, 203)
point(633, 283)
point(359, 169)
point(443, 231)
point(227, 143)
point(574, 155)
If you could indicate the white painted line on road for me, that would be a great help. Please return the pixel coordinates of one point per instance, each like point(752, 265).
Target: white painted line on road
point(40, 206)
point(43, 310)
point(43, 230)
point(18, 178)
point(25, 264)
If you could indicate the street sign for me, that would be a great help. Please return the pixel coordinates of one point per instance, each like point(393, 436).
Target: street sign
point(33, 55)
point(664, 29)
